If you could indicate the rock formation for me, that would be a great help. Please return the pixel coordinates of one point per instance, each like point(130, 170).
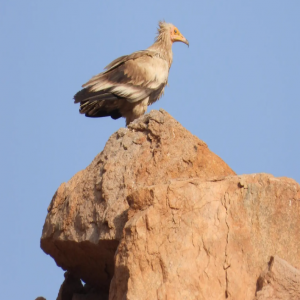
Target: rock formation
point(157, 215)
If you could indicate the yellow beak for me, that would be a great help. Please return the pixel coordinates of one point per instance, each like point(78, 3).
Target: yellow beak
point(180, 38)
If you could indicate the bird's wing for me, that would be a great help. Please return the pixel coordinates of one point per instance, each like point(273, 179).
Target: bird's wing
point(133, 77)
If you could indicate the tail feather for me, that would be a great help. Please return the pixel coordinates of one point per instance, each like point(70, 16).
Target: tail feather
point(98, 104)
point(115, 114)
point(85, 95)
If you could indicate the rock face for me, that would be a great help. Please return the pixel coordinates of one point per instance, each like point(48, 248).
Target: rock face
point(157, 215)
point(195, 239)
point(87, 214)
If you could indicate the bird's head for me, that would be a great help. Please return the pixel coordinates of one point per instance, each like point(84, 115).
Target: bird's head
point(176, 36)
point(174, 33)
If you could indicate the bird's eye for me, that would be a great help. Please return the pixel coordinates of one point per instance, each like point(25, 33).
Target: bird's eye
point(175, 31)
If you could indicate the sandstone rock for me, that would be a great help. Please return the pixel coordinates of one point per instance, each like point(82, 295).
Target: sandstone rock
point(280, 281)
point(179, 222)
point(206, 239)
point(87, 215)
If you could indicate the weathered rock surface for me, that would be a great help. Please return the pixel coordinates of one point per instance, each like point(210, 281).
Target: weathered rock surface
point(195, 239)
point(87, 215)
point(280, 281)
point(157, 215)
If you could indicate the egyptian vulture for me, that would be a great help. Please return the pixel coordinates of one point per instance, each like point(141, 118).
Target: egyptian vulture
point(132, 82)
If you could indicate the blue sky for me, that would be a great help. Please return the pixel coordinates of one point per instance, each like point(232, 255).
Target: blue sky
point(237, 87)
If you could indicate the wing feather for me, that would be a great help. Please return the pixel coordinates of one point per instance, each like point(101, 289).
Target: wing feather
point(132, 78)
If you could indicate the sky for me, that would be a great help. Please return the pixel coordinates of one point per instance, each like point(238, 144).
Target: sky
point(237, 87)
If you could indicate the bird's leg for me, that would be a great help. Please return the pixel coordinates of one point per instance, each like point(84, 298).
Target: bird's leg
point(133, 111)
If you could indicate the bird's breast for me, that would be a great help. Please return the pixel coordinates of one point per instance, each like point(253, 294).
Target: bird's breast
point(158, 72)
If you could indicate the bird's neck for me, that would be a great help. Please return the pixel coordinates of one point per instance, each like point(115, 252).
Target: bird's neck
point(163, 45)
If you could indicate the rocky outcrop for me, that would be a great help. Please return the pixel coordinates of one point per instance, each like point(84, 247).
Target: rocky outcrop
point(157, 215)
point(87, 215)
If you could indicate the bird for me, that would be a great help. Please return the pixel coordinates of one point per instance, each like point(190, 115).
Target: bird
point(131, 82)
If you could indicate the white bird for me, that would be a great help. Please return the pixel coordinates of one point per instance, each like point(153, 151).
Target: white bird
point(132, 82)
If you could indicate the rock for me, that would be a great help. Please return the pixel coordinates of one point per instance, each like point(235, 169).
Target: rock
point(69, 287)
point(87, 215)
point(91, 296)
point(73, 289)
point(280, 281)
point(206, 239)
point(157, 215)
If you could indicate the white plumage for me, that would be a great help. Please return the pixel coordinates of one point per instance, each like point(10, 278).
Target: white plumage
point(132, 82)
